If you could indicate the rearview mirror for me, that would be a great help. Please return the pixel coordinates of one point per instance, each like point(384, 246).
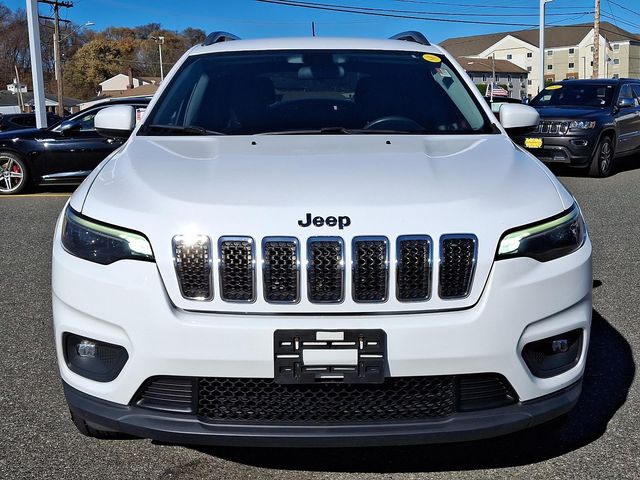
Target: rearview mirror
point(116, 122)
point(516, 117)
point(626, 103)
point(69, 126)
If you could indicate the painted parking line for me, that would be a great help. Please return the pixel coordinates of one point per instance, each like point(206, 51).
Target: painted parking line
point(37, 195)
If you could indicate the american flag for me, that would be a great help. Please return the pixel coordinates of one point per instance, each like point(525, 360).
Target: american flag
point(495, 90)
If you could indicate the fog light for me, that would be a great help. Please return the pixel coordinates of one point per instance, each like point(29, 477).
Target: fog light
point(86, 348)
point(554, 355)
point(93, 359)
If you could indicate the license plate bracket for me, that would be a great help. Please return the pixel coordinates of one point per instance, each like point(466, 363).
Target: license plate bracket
point(329, 356)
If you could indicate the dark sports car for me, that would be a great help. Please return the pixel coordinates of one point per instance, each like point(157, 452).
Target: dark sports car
point(20, 121)
point(62, 154)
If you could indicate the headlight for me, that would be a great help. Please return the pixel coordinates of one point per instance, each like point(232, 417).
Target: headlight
point(546, 240)
point(582, 125)
point(101, 243)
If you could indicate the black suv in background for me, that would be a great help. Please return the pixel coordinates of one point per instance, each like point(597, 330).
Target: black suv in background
point(586, 123)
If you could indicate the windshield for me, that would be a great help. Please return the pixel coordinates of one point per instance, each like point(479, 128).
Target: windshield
point(574, 95)
point(316, 91)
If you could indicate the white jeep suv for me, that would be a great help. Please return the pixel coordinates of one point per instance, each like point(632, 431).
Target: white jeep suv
point(319, 241)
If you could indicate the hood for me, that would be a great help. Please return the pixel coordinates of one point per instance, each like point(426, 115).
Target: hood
point(264, 185)
point(578, 113)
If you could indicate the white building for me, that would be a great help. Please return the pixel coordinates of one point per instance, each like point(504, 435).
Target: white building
point(122, 81)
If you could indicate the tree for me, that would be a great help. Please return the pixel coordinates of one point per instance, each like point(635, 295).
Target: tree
point(93, 63)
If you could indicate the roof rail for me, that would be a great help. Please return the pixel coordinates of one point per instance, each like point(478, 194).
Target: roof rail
point(217, 37)
point(411, 36)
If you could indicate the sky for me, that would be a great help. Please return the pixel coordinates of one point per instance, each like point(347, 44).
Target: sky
point(254, 19)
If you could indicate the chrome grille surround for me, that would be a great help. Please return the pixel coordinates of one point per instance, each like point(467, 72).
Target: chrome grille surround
point(414, 275)
point(370, 269)
point(325, 270)
point(553, 127)
point(281, 269)
point(458, 258)
point(237, 269)
point(193, 264)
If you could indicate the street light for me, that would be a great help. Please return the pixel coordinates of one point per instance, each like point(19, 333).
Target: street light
point(542, 7)
point(160, 41)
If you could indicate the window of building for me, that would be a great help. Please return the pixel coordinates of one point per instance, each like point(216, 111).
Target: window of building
point(508, 78)
point(529, 82)
point(616, 61)
point(592, 63)
point(528, 69)
point(549, 53)
point(572, 50)
point(616, 46)
point(509, 56)
point(592, 49)
point(549, 67)
point(572, 65)
point(616, 75)
point(484, 77)
point(529, 54)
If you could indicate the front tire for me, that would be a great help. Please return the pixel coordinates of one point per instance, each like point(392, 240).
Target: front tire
point(602, 160)
point(14, 176)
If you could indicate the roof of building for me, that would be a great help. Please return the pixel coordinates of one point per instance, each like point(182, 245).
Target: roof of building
point(563, 36)
point(141, 91)
point(487, 65)
point(10, 99)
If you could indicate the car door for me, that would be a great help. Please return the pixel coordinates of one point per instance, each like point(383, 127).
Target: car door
point(627, 120)
point(75, 148)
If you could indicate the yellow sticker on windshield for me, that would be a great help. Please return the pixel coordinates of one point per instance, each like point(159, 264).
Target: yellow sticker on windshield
point(431, 58)
point(553, 87)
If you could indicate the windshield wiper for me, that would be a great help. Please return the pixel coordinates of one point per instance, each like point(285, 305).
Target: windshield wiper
point(180, 130)
point(340, 131)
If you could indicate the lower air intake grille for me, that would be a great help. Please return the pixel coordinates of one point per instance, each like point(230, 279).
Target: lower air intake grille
point(237, 267)
point(325, 270)
point(254, 400)
point(457, 263)
point(281, 270)
point(370, 269)
point(414, 268)
point(193, 266)
point(173, 394)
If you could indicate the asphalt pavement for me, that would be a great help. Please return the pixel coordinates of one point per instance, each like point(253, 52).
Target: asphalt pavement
point(600, 438)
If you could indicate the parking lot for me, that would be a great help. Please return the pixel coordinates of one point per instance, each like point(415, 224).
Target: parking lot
point(600, 439)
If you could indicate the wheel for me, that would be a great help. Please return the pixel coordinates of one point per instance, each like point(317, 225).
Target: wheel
point(602, 161)
point(85, 429)
point(14, 176)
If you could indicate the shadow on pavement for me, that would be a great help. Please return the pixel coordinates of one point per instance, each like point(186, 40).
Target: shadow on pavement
point(609, 375)
point(620, 166)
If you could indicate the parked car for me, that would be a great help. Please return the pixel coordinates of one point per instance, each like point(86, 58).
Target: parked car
point(586, 123)
point(319, 241)
point(62, 154)
point(20, 121)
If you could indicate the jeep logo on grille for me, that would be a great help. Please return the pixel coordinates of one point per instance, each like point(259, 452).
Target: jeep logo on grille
point(341, 222)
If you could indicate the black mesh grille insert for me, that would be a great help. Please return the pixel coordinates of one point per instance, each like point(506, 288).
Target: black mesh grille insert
point(280, 270)
point(325, 270)
point(457, 262)
point(174, 394)
point(236, 269)
point(254, 400)
point(370, 272)
point(413, 278)
point(193, 266)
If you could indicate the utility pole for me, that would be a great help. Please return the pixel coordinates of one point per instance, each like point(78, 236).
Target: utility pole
point(596, 41)
point(542, 69)
point(36, 63)
point(57, 49)
point(20, 99)
point(160, 41)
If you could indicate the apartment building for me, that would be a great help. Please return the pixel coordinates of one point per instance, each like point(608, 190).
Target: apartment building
point(486, 70)
point(568, 52)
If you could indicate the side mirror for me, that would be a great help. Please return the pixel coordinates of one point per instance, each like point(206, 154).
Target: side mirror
point(66, 128)
point(116, 122)
point(516, 118)
point(626, 103)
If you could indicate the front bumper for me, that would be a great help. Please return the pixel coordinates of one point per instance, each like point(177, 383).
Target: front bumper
point(176, 428)
point(125, 304)
point(573, 150)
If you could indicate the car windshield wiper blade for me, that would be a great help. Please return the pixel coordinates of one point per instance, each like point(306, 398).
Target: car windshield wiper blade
point(180, 130)
point(340, 131)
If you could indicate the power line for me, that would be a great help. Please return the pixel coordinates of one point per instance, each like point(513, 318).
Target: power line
point(624, 8)
point(354, 10)
point(484, 5)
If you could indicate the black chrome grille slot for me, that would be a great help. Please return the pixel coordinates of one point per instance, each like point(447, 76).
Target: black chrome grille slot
point(173, 394)
point(237, 269)
point(413, 275)
point(370, 269)
point(281, 269)
point(458, 255)
point(192, 260)
point(325, 270)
